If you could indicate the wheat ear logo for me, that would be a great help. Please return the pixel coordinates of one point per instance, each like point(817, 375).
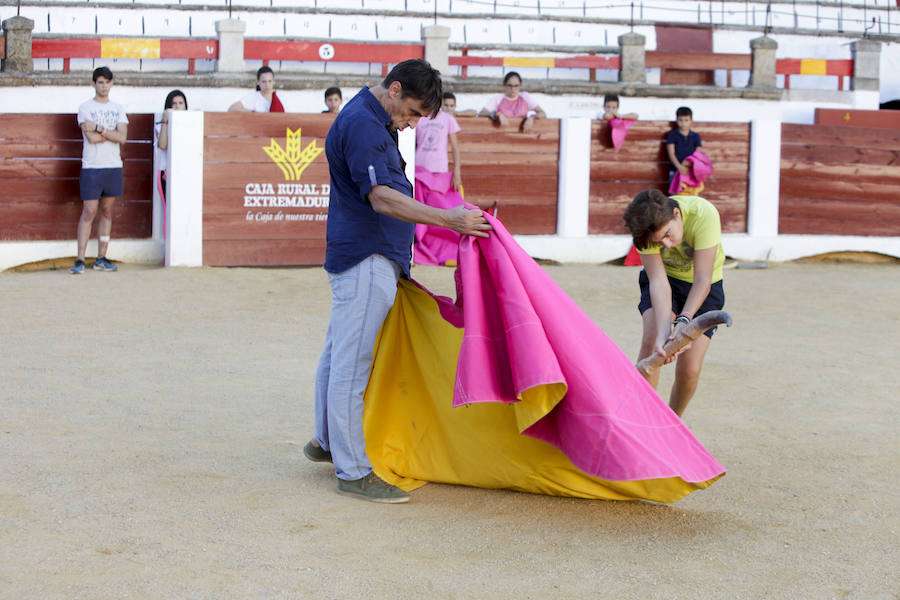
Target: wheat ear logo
point(292, 161)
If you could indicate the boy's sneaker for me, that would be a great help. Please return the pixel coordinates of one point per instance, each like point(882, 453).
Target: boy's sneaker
point(316, 453)
point(77, 268)
point(372, 488)
point(101, 264)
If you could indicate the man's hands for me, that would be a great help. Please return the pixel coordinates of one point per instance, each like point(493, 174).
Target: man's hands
point(467, 222)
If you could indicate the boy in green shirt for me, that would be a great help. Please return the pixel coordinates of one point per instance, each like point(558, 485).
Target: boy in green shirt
point(680, 242)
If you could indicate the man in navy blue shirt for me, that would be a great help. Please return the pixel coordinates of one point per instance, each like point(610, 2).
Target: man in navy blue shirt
point(371, 223)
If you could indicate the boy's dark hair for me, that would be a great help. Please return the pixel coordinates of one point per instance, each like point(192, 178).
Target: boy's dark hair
point(171, 98)
point(419, 80)
point(646, 214)
point(510, 75)
point(332, 91)
point(102, 72)
point(684, 111)
point(611, 98)
point(449, 96)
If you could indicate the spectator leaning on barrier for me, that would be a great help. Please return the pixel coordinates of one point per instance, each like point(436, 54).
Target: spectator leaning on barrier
point(333, 100)
point(175, 100)
point(513, 104)
point(449, 106)
point(104, 127)
point(611, 109)
point(369, 234)
point(264, 99)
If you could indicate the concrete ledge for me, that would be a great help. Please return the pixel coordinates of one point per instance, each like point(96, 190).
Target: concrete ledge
point(587, 249)
point(293, 81)
point(790, 247)
point(14, 254)
point(604, 248)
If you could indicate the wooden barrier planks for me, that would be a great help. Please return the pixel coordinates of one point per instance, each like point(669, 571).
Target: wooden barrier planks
point(883, 119)
point(839, 180)
point(519, 170)
point(617, 175)
point(254, 212)
point(40, 161)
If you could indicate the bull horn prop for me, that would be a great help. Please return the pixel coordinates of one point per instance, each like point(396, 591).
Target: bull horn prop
point(684, 336)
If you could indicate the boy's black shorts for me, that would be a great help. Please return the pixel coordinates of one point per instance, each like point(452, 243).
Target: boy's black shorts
point(715, 300)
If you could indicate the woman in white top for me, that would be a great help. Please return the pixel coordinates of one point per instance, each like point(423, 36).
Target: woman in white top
point(264, 99)
point(176, 100)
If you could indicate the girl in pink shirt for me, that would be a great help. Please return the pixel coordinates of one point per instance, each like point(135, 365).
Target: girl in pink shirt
point(513, 104)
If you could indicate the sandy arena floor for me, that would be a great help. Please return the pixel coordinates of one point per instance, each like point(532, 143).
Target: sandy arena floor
point(151, 422)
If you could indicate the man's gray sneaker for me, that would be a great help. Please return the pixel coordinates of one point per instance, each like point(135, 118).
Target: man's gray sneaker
point(77, 268)
point(372, 488)
point(316, 453)
point(101, 264)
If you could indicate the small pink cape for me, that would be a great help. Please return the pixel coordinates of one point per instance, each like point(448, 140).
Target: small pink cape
point(699, 169)
point(521, 331)
point(618, 130)
point(435, 245)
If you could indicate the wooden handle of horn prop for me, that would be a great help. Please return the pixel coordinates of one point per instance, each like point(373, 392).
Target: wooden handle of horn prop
point(684, 336)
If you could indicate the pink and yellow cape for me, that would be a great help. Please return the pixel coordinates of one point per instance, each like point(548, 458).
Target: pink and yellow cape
point(513, 386)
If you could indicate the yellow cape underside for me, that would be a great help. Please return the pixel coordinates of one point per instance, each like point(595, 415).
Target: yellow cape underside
point(414, 434)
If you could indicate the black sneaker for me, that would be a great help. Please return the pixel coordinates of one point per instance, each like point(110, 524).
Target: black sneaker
point(316, 453)
point(372, 488)
point(77, 268)
point(102, 264)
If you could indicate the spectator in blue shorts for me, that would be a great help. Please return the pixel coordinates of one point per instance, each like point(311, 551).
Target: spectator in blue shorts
point(104, 127)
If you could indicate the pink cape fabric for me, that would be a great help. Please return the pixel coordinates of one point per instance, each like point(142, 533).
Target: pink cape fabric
point(699, 169)
point(435, 245)
point(618, 130)
point(521, 330)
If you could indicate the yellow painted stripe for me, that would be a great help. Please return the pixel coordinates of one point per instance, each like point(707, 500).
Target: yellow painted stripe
point(813, 66)
point(529, 62)
point(129, 48)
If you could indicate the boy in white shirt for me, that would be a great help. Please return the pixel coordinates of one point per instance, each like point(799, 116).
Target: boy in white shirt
point(104, 126)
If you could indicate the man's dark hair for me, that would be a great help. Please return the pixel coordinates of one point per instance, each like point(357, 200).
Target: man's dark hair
point(611, 98)
point(171, 98)
point(510, 75)
point(646, 214)
point(418, 80)
point(449, 96)
point(102, 72)
point(684, 111)
point(332, 91)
